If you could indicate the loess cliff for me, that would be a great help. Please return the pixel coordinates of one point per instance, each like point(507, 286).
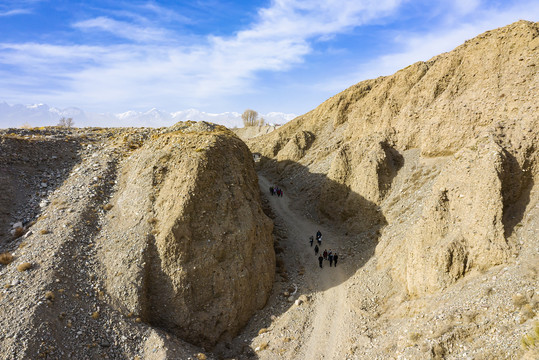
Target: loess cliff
point(463, 130)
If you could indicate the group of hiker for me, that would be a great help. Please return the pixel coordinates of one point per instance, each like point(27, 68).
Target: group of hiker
point(274, 190)
point(326, 255)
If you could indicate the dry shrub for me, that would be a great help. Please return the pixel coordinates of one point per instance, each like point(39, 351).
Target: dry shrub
point(24, 266)
point(414, 336)
point(6, 258)
point(19, 231)
point(262, 331)
point(527, 311)
point(107, 207)
point(44, 231)
point(470, 317)
point(519, 300)
point(95, 315)
point(152, 220)
point(49, 295)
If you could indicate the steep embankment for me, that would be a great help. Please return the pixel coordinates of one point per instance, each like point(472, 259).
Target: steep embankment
point(133, 232)
point(438, 164)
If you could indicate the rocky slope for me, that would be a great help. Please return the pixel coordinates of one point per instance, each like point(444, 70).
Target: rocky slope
point(133, 234)
point(437, 164)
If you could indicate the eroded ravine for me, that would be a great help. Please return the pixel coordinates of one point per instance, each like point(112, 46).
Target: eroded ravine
point(322, 338)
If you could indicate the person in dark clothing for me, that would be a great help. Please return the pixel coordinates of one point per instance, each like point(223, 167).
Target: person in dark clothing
point(318, 234)
point(320, 260)
point(335, 258)
point(316, 249)
point(271, 190)
point(330, 257)
point(311, 240)
point(325, 254)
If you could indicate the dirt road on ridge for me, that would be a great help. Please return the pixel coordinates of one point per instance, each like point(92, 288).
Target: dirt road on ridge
point(329, 308)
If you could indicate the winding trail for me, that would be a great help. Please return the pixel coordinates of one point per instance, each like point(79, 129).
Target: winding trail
point(322, 339)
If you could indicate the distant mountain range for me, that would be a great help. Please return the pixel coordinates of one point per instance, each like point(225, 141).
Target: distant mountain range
point(44, 115)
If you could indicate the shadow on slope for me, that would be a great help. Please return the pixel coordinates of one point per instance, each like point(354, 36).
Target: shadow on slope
point(298, 271)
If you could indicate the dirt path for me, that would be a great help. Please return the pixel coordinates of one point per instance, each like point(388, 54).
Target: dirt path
point(320, 340)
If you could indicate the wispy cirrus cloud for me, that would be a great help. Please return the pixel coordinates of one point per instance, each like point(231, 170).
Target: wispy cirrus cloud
point(14, 12)
point(126, 30)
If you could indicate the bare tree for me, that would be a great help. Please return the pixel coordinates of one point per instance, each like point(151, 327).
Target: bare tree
point(66, 122)
point(249, 117)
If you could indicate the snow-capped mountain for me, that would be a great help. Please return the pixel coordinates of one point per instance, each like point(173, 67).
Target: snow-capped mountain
point(44, 115)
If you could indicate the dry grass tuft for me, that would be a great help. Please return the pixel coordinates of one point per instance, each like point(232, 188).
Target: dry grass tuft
point(530, 341)
point(6, 258)
point(44, 231)
point(262, 331)
point(153, 220)
point(24, 266)
point(95, 315)
point(107, 207)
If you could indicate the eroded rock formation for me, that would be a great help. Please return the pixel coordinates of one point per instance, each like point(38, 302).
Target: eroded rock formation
point(187, 246)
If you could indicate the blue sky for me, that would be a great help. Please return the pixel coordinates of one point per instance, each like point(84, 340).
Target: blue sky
point(217, 56)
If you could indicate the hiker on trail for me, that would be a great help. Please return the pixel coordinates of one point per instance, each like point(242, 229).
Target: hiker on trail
point(271, 190)
point(318, 234)
point(335, 258)
point(320, 260)
point(325, 254)
point(330, 257)
point(316, 249)
point(311, 239)
point(281, 193)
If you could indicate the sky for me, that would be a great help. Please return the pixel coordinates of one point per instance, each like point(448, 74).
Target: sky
point(216, 56)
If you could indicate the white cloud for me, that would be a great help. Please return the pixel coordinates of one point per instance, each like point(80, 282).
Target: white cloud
point(466, 6)
point(423, 46)
point(123, 29)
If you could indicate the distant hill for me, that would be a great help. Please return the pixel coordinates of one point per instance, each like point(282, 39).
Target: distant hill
point(45, 115)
